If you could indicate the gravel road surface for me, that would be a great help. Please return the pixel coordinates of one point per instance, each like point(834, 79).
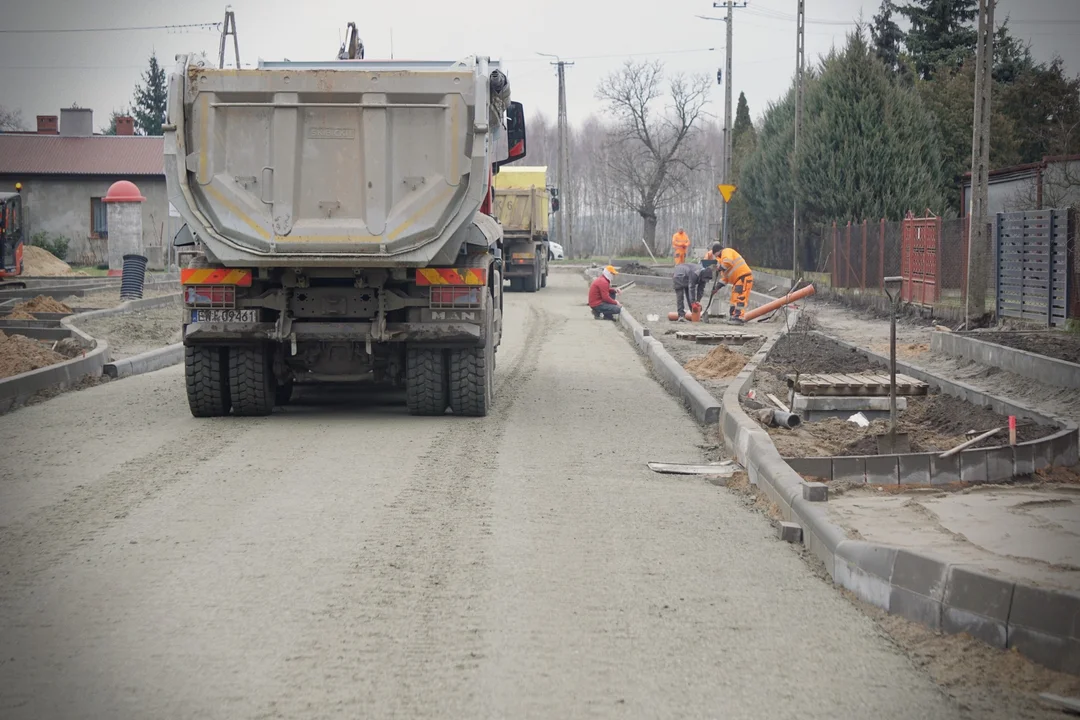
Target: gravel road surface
point(347, 560)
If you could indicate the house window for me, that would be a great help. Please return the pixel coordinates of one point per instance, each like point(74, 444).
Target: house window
point(99, 218)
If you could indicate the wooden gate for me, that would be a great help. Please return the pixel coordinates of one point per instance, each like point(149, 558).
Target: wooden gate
point(1033, 263)
point(919, 252)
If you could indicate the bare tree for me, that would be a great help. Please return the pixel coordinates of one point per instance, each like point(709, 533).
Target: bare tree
point(11, 119)
point(648, 160)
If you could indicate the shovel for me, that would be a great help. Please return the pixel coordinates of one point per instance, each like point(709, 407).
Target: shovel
point(893, 442)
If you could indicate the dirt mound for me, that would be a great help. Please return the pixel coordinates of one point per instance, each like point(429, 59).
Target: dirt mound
point(814, 354)
point(19, 354)
point(933, 423)
point(19, 315)
point(42, 303)
point(38, 261)
point(719, 363)
point(636, 268)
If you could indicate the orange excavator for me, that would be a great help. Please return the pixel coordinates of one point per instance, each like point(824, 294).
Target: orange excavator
point(11, 239)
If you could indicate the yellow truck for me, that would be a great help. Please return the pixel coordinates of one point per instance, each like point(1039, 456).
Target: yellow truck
point(521, 207)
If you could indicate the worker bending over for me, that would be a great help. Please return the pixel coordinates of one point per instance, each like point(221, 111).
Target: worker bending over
point(735, 272)
point(680, 243)
point(602, 296)
point(689, 281)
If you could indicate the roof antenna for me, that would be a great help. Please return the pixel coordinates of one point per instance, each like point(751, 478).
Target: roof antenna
point(391, 43)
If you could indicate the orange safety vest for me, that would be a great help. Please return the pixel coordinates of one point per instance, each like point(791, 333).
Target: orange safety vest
point(680, 241)
point(732, 266)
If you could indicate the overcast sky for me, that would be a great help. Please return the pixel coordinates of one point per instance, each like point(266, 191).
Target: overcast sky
point(42, 72)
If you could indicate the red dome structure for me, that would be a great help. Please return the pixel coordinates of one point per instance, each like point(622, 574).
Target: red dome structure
point(123, 191)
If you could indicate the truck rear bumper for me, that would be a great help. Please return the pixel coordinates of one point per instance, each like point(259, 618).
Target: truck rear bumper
point(236, 333)
point(522, 270)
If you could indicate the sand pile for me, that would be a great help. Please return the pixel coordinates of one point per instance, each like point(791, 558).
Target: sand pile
point(42, 304)
point(719, 363)
point(19, 354)
point(19, 315)
point(37, 261)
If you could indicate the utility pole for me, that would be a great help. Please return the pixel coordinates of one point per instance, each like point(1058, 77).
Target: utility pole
point(228, 28)
point(800, 65)
point(728, 142)
point(562, 166)
point(980, 166)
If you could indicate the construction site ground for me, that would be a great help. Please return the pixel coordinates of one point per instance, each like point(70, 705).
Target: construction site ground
point(138, 331)
point(1029, 532)
point(714, 366)
point(342, 559)
point(111, 298)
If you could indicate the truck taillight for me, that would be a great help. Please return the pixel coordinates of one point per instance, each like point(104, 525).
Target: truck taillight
point(210, 296)
point(448, 296)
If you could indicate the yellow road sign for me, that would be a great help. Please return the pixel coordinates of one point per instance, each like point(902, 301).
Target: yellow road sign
point(727, 191)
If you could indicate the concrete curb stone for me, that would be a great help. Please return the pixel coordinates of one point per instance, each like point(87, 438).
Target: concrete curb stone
point(16, 390)
point(1050, 371)
point(145, 362)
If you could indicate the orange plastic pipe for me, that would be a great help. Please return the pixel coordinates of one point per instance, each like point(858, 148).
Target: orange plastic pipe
point(789, 298)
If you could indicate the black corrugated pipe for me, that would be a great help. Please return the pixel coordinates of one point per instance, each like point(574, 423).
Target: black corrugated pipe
point(131, 284)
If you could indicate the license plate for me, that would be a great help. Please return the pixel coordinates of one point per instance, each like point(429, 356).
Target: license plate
point(223, 316)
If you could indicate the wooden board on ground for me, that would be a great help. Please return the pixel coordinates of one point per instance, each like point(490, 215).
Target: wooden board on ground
point(714, 338)
point(725, 468)
point(845, 384)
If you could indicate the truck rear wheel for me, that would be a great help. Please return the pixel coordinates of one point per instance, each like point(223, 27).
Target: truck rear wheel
point(543, 280)
point(207, 378)
point(472, 379)
point(532, 284)
point(425, 381)
point(252, 385)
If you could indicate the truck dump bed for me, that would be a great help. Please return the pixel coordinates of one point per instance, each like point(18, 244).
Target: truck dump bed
point(521, 199)
point(342, 163)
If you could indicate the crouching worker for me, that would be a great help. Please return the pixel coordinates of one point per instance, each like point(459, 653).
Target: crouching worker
point(602, 296)
point(735, 272)
point(686, 282)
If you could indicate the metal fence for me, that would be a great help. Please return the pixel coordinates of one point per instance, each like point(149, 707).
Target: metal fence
point(929, 252)
point(1034, 261)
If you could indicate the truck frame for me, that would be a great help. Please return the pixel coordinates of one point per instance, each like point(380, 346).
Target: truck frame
point(341, 216)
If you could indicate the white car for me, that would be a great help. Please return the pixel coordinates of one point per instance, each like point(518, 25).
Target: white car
point(556, 251)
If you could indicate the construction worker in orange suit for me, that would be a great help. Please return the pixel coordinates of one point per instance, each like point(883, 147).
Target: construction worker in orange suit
point(735, 272)
point(680, 243)
point(714, 253)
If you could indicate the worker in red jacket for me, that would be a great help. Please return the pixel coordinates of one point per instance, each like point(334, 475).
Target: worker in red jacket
point(602, 296)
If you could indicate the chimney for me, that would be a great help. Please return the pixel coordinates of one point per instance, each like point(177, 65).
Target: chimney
point(125, 125)
point(48, 125)
point(76, 122)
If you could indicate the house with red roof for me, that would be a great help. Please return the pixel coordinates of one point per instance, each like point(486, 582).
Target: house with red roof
point(65, 170)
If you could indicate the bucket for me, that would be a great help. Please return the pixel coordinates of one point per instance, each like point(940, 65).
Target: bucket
point(695, 312)
point(131, 282)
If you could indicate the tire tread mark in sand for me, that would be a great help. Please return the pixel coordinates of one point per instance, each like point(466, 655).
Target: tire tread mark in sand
point(45, 537)
point(407, 624)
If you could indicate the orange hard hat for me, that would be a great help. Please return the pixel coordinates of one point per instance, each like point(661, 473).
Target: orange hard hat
point(611, 269)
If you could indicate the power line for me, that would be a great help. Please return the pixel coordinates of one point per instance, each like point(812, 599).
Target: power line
point(620, 55)
point(140, 28)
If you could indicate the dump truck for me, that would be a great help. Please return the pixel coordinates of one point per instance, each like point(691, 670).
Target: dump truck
point(340, 220)
point(521, 207)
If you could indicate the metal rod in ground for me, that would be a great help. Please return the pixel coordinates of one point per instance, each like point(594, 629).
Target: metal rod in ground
point(892, 285)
